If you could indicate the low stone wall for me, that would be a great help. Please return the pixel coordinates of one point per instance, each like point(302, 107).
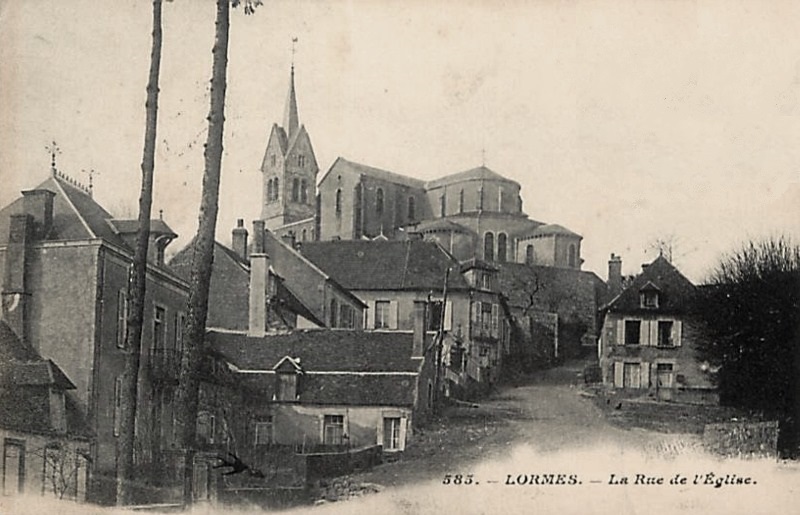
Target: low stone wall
point(742, 439)
point(337, 464)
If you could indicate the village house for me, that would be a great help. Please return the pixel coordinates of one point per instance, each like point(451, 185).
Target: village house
point(45, 435)
point(390, 276)
point(649, 339)
point(66, 264)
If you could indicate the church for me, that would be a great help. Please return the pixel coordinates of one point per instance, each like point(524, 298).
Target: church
point(473, 214)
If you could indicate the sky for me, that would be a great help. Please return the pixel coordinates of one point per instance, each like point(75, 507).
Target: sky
point(625, 121)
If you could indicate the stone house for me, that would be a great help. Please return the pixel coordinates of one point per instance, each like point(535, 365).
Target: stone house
point(45, 436)
point(390, 276)
point(66, 264)
point(649, 339)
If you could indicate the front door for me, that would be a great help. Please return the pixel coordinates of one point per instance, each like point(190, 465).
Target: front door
point(664, 378)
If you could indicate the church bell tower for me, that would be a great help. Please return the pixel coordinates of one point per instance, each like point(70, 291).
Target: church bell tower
point(289, 170)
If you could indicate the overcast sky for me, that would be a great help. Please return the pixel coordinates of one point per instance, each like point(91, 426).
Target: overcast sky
point(624, 121)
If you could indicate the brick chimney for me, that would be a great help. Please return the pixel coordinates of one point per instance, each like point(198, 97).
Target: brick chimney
point(38, 204)
point(240, 239)
point(15, 294)
point(258, 237)
point(419, 328)
point(614, 274)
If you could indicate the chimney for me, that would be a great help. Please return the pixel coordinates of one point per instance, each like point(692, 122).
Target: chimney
point(419, 328)
point(15, 295)
point(258, 237)
point(240, 239)
point(38, 204)
point(288, 239)
point(259, 284)
point(614, 274)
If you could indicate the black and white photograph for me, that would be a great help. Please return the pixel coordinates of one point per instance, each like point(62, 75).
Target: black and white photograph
point(403, 257)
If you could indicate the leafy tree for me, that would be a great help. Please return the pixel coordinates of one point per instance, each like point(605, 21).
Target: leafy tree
point(137, 284)
point(202, 261)
point(751, 316)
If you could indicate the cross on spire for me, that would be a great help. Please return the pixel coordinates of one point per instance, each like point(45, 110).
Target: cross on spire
point(483, 157)
point(294, 50)
point(53, 150)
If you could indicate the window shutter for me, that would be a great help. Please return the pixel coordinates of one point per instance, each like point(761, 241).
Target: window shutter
point(393, 308)
point(448, 316)
point(677, 331)
point(618, 374)
point(653, 332)
point(495, 320)
point(645, 371)
point(644, 332)
point(401, 445)
point(371, 315)
point(379, 433)
point(620, 332)
point(476, 313)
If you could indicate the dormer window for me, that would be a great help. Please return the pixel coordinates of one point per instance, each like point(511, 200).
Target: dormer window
point(649, 296)
point(286, 373)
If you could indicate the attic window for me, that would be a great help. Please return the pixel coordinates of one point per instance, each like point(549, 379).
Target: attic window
point(272, 160)
point(301, 160)
point(649, 299)
point(287, 387)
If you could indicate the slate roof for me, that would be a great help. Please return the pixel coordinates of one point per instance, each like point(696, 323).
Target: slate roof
point(479, 173)
point(342, 164)
point(356, 368)
point(319, 350)
point(77, 216)
point(25, 382)
point(675, 290)
point(181, 264)
point(131, 226)
point(385, 265)
point(442, 224)
point(553, 229)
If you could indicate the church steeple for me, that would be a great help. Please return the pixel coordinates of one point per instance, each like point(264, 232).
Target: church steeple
point(290, 118)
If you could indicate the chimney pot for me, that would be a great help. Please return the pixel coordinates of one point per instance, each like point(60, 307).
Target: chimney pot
point(239, 239)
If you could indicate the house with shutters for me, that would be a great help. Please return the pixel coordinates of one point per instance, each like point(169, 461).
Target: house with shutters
point(389, 276)
point(66, 264)
point(649, 339)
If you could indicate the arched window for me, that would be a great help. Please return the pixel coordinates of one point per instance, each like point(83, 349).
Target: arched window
point(303, 235)
point(358, 229)
point(500, 199)
point(529, 256)
point(338, 205)
point(480, 198)
point(379, 202)
point(270, 189)
point(488, 246)
point(304, 191)
point(295, 189)
point(412, 208)
point(442, 205)
point(276, 190)
point(571, 255)
point(461, 201)
point(501, 247)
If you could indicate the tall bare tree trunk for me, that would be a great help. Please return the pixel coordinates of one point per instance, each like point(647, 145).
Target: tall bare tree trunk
point(202, 260)
point(137, 284)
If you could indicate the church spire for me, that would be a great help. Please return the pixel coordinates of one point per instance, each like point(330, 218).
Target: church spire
point(290, 118)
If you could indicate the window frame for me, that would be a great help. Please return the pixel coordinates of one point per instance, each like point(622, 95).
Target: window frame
point(628, 335)
point(264, 422)
point(330, 422)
